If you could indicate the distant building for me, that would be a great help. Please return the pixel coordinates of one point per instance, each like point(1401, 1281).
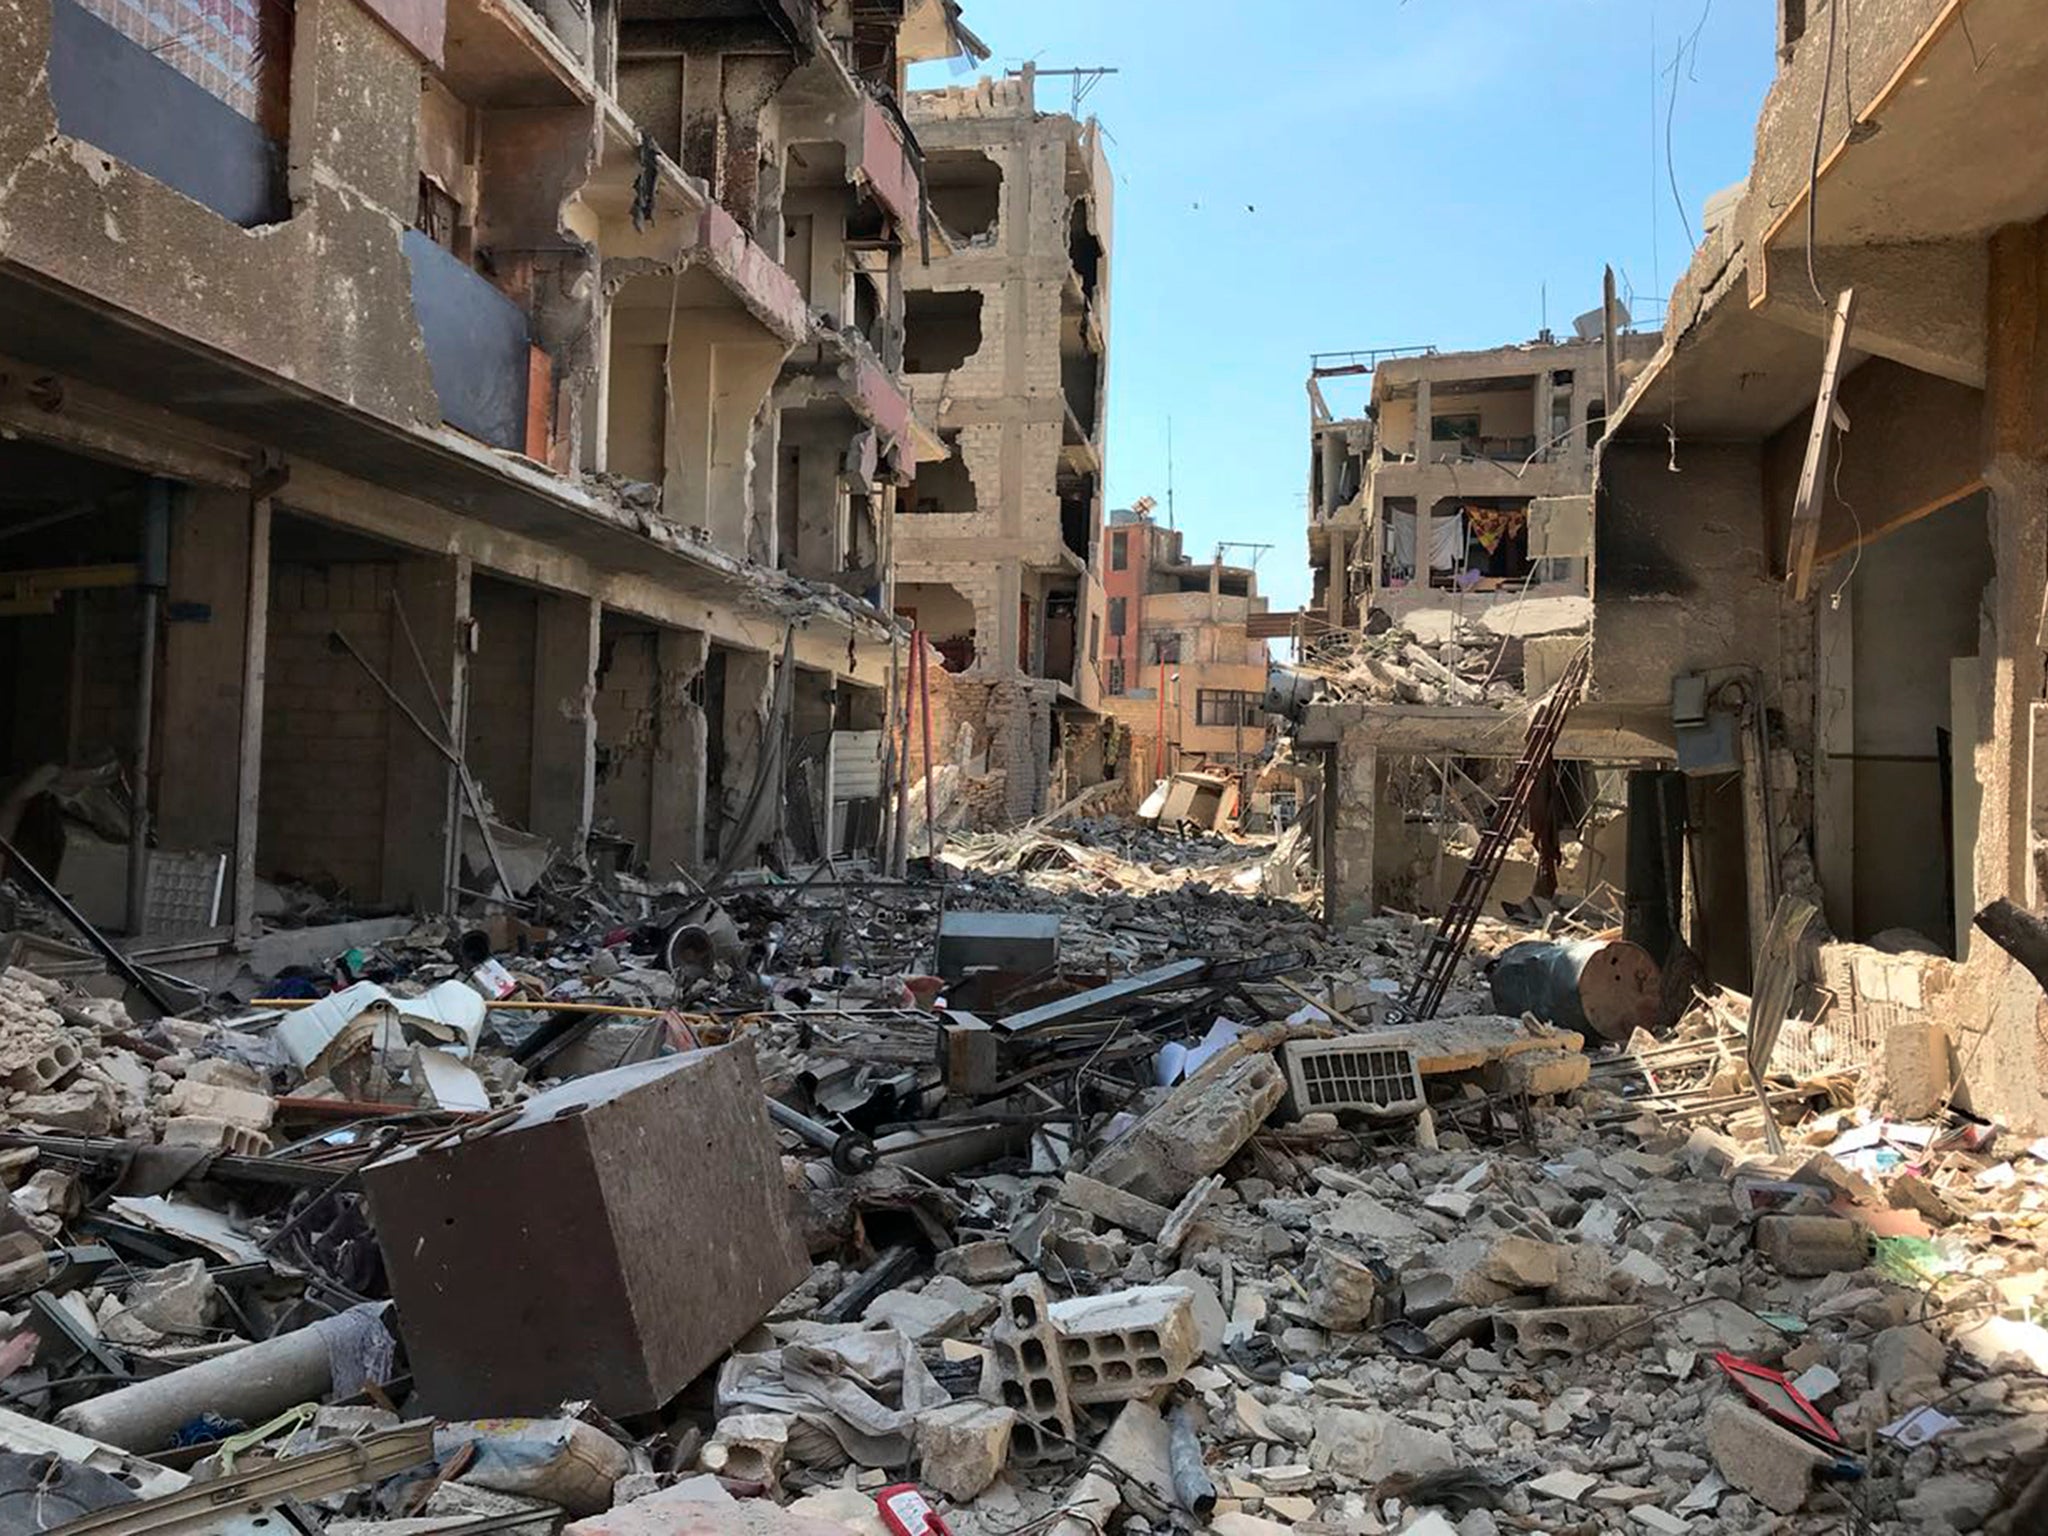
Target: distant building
point(1179, 627)
point(1005, 346)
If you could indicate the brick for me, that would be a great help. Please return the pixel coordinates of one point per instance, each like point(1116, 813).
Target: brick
point(1568, 1330)
point(1125, 1344)
point(1805, 1246)
point(1029, 1377)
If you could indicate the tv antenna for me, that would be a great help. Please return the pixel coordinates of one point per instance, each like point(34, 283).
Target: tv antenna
point(1084, 79)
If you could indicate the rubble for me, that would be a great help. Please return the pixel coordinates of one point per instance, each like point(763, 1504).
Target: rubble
point(1437, 1297)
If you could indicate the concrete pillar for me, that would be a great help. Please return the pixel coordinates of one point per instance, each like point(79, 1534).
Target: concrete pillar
point(743, 732)
point(204, 646)
point(1541, 414)
point(686, 457)
point(255, 600)
point(742, 373)
point(1422, 421)
point(1350, 811)
point(1336, 599)
point(676, 787)
point(421, 833)
point(564, 782)
point(1584, 387)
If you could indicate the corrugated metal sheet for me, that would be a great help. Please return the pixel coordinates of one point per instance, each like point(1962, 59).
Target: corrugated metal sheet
point(856, 765)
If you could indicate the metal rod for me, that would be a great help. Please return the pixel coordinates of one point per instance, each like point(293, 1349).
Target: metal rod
point(122, 965)
point(931, 818)
point(151, 577)
point(469, 789)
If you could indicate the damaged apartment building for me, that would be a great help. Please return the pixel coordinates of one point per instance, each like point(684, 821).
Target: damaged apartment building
point(1817, 558)
point(1006, 346)
point(419, 414)
point(1183, 669)
point(1452, 578)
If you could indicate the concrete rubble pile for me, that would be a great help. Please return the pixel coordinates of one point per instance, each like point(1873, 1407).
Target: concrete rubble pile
point(1065, 1187)
point(1473, 666)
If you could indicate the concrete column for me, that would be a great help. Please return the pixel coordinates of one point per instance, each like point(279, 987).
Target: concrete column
point(1336, 598)
point(1422, 421)
point(255, 600)
point(686, 455)
point(564, 782)
point(676, 787)
point(204, 646)
point(743, 732)
point(421, 833)
point(1583, 390)
point(1544, 391)
point(1350, 810)
point(742, 373)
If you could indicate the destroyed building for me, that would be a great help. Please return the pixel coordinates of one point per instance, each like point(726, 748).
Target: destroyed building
point(1006, 348)
point(1452, 579)
point(1443, 493)
point(1818, 533)
point(403, 383)
point(1180, 665)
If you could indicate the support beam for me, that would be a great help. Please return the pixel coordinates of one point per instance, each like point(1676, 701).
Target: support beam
point(421, 831)
point(1351, 805)
point(249, 746)
point(564, 757)
point(676, 788)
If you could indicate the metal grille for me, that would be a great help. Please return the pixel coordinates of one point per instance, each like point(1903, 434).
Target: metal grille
point(1370, 1076)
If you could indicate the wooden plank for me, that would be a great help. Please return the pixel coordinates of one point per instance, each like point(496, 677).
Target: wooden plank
point(1806, 506)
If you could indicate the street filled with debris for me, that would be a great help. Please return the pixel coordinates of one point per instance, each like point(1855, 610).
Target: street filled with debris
point(1072, 1184)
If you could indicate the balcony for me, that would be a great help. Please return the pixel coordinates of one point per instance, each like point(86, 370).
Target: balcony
point(477, 346)
point(116, 94)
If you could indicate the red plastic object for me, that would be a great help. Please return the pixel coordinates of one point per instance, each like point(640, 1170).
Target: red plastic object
point(1772, 1394)
point(904, 1510)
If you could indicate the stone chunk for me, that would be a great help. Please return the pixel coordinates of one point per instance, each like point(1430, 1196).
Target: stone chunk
point(1522, 1263)
point(1805, 1246)
point(1119, 1207)
point(964, 1447)
point(988, 1262)
point(1197, 1129)
point(1341, 1287)
point(1369, 1445)
point(1906, 1362)
point(1762, 1459)
point(1916, 1068)
point(213, 1101)
point(1953, 1501)
point(86, 1108)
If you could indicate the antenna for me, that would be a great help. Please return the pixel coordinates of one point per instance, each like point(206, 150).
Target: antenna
point(1084, 80)
point(1169, 472)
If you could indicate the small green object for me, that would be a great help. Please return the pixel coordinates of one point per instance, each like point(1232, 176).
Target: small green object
point(1784, 1322)
point(1911, 1260)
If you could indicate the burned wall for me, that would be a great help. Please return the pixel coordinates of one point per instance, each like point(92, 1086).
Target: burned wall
point(1682, 574)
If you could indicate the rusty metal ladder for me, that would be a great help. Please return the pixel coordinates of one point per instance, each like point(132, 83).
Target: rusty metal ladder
point(1425, 993)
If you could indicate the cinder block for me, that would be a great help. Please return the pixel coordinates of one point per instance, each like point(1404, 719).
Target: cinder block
point(1031, 1379)
point(1805, 1246)
point(1126, 1344)
point(1566, 1330)
point(1369, 1074)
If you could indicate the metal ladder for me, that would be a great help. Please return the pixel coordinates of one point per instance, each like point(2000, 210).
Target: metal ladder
point(1425, 993)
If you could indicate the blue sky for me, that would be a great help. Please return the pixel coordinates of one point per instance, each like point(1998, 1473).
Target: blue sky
point(1298, 176)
